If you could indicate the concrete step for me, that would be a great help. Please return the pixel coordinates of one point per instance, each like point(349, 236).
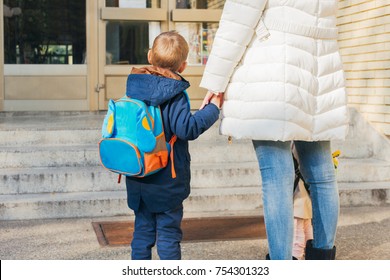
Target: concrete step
point(363, 170)
point(101, 204)
point(352, 148)
point(36, 138)
point(364, 194)
point(87, 155)
point(241, 174)
point(92, 179)
point(58, 180)
point(49, 156)
point(210, 200)
point(224, 199)
point(62, 205)
point(51, 120)
point(204, 152)
point(64, 129)
point(96, 178)
point(49, 168)
point(50, 128)
point(71, 136)
point(85, 130)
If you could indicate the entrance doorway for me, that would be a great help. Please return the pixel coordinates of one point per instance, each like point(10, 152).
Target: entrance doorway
point(72, 55)
point(43, 55)
point(127, 29)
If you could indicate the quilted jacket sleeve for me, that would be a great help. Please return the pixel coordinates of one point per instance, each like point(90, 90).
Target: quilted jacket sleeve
point(236, 28)
point(188, 126)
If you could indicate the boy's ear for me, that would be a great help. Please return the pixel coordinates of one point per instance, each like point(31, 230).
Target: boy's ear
point(150, 56)
point(182, 67)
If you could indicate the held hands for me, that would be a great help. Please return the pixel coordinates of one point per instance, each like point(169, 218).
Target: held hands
point(216, 99)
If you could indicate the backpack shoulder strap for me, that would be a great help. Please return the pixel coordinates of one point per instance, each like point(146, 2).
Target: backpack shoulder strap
point(188, 97)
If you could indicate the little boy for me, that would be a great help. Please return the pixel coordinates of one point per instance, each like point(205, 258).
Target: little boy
point(157, 200)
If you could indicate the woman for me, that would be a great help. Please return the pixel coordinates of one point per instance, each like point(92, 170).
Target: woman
point(278, 65)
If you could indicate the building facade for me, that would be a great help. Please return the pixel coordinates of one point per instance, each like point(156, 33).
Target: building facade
point(74, 55)
point(364, 37)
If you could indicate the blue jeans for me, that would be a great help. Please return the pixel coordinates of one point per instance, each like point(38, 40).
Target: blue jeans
point(277, 172)
point(161, 227)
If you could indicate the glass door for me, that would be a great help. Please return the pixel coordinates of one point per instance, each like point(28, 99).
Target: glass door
point(127, 29)
point(43, 52)
point(1, 58)
point(197, 21)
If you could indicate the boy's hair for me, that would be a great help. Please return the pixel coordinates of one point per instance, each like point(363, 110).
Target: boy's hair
point(169, 50)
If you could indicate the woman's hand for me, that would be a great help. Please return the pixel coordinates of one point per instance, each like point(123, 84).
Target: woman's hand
point(217, 100)
point(208, 98)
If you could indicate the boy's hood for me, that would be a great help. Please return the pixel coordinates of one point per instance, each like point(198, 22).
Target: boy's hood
point(154, 85)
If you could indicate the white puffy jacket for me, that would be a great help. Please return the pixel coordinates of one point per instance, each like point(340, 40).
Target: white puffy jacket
point(278, 63)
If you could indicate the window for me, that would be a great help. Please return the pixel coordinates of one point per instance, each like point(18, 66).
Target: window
point(130, 31)
point(199, 4)
point(133, 3)
point(200, 38)
point(128, 42)
point(44, 31)
point(199, 35)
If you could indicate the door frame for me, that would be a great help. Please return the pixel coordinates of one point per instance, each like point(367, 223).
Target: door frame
point(1, 56)
point(167, 15)
point(92, 33)
point(43, 78)
point(96, 71)
point(131, 14)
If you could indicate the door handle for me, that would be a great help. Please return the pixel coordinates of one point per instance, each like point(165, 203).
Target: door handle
point(99, 87)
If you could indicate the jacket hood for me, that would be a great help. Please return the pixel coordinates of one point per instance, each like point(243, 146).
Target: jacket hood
point(154, 85)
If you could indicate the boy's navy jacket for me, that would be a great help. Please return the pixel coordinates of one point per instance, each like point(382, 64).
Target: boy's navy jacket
point(156, 86)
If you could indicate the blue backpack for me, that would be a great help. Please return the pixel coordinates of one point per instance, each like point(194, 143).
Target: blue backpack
point(133, 141)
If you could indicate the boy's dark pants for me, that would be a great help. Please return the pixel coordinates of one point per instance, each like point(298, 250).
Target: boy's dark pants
point(161, 227)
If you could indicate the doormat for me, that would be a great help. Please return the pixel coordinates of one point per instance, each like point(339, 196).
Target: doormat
point(194, 230)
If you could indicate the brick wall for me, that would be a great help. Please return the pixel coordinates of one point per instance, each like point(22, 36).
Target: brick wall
point(364, 39)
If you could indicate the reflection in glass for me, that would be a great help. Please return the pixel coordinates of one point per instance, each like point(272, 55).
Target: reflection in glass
point(128, 42)
point(44, 32)
point(199, 4)
point(133, 3)
point(200, 38)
